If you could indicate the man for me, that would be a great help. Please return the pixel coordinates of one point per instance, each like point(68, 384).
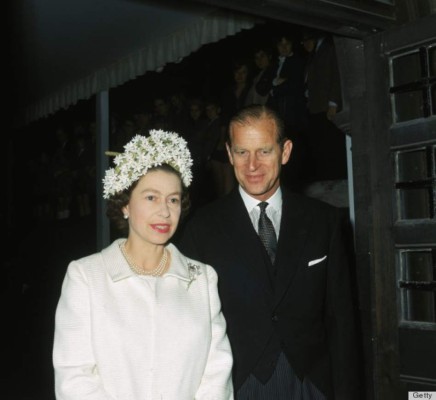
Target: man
point(283, 81)
point(326, 142)
point(287, 304)
point(285, 85)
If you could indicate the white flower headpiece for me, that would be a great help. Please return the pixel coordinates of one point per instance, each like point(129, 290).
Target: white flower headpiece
point(143, 153)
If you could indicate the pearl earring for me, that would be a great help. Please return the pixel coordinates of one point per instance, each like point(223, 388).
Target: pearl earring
point(126, 216)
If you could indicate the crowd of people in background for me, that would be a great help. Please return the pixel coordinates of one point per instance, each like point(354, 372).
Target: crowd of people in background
point(295, 74)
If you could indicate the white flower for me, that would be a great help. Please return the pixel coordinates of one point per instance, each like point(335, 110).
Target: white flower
point(143, 153)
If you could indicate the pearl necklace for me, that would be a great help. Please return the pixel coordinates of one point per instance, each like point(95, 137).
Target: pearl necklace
point(158, 271)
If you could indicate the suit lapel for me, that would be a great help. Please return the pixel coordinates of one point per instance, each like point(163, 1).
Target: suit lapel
point(294, 229)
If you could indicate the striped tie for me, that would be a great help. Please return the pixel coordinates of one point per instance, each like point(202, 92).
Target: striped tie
point(266, 231)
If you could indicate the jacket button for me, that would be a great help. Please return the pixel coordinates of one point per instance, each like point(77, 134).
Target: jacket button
point(275, 318)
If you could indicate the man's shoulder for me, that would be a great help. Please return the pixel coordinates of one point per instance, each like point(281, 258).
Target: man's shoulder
point(215, 208)
point(308, 204)
point(202, 222)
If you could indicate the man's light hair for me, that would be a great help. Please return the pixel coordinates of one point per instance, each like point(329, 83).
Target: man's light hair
point(256, 112)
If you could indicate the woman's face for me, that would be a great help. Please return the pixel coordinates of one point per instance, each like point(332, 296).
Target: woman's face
point(240, 74)
point(261, 59)
point(155, 206)
point(309, 44)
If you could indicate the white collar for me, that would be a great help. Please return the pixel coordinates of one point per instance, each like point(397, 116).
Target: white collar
point(275, 201)
point(319, 43)
point(118, 269)
point(283, 58)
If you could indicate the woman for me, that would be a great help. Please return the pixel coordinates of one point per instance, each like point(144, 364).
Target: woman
point(234, 96)
point(139, 320)
point(262, 60)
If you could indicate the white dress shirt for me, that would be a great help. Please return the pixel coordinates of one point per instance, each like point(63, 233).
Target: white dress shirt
point(274, 209)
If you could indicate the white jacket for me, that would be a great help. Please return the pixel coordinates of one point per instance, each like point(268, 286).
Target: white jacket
point(120, 336)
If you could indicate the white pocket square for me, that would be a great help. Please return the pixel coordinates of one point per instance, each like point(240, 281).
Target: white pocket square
point(318, 260)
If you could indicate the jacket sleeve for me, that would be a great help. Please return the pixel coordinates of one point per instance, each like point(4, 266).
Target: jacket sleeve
point(294, 83)
point(264, 85)
point(333, 84)
point(216, 383)
point(76, 373)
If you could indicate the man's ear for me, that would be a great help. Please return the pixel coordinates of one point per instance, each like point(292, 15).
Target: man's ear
point(287, 150)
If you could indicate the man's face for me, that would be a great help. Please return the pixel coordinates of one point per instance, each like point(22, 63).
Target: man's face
point(195, 112)
point(257, 157)
point(284, 47)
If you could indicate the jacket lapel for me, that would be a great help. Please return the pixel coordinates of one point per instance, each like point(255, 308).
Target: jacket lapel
point(244, 240)
point(294, 229)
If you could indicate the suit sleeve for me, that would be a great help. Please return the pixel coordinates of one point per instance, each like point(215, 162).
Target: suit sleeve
point(334, 92)
point(341, 321)
point(76, 374)
point(294, 83)
point(216, 383)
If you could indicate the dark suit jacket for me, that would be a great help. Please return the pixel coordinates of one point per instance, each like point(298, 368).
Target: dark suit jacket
point(309, 307)
point(323, 79)
point(288, 97)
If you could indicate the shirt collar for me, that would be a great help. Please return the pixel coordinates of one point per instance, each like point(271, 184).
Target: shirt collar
point(283, 58)
point(319, 43)
point(275, 201)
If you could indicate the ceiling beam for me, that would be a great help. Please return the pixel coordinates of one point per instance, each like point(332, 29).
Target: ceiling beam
point(343, 17)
